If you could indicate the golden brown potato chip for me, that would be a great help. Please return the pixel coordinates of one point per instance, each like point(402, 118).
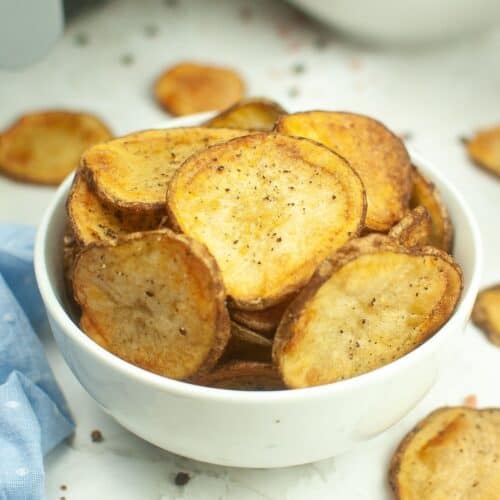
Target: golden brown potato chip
point(370, 303)
point(269, 207)
point(376, 154)
point(192, 88)
point(486, 313)
point(454, 453)
point(414, 229)
point(425, 194)
point(264, 321)
point(244, 376)
point(245, 344)
point(484, 149)
point(154, 299)
point(133, 172)
point(45, 147)
point(250, 114)
point(93, 221)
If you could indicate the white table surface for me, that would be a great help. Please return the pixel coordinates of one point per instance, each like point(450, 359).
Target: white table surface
point(437, 95)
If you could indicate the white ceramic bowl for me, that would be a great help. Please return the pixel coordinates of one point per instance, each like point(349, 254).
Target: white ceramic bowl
point(405, 22)
point(252, 429)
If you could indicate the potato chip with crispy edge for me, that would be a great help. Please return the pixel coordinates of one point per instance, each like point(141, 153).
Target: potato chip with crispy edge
point(414, 229)
point(264, 321)
point(370, 303)
point(154, 299)
point(251, 114)
point(374, 152)
point(44, 147)
point(91, 220)
point(132, 172)
point(244, 376)
point(269, 207)
point(486, 313)
point(249, 336)
point(484, 149)
point(189, 88)
point(452, 453)
point(245, 344)
point(425, 194)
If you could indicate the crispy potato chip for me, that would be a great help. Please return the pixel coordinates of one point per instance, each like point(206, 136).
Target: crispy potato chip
point(133, 172)
point(45, 147)
point(451, 454)
point(192, 88)
point(414, 229)
point(484, 149)
point(248, 336)
point(245, 344)
point(486, 313)
point(370, 303)
point(154, 299)
point(376, 154)
point(269, 207)
point(251, 114)
point(264, 321)
point(93, 221)
point(244, 376)
point(425, 194)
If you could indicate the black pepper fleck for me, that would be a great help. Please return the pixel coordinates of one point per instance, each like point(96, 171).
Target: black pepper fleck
point(96, 436)
point(182, 478)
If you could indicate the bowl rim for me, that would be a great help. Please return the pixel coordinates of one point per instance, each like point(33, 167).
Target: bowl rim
point(57, 313)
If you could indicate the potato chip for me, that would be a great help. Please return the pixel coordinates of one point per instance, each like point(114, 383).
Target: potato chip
point(132, 172)
point(486, 313)
point(45, 147)
point(249, 336)
point(244, 376)
point(414, 229)
point(425, 194)
point(245, 344)
point(251, 114)
point(484, 149)
point(264, 321)
point(370, 303)
point(156, 300)
point(376, 154)
point(93, 221)
point(452, 453)
point(269, 207)
point(192, 88)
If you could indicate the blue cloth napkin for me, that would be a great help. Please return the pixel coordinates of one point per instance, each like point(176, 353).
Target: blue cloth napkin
point(34, 417)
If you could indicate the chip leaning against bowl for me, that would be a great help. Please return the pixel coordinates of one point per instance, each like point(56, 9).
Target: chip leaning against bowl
point(285, 223)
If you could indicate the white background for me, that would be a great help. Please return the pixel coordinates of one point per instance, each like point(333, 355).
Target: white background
point(436, 95)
